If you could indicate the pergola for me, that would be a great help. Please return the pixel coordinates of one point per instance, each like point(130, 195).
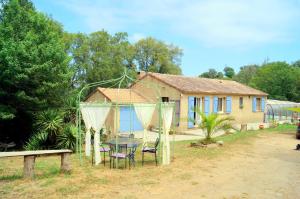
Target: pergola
point(94, 114)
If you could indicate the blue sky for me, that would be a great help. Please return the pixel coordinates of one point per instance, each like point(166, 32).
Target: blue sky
point(212, 33)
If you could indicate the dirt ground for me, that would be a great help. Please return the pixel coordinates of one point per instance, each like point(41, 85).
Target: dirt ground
point(263, 166)
point(268, 167)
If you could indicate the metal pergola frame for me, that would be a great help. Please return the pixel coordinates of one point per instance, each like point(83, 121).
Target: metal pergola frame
point(124, 78)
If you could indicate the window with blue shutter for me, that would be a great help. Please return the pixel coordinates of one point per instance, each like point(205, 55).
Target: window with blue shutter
point(262, 104)
point(191, 110)
point(228, 104)
point(215, 104)
point(206, 105)
point(254, 104)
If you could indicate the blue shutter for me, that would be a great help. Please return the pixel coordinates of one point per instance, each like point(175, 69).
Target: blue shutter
point(215, 104)
point(262, 105)
point(206, 105)
point(191, 101)
point(254, 104)
point(228, 104)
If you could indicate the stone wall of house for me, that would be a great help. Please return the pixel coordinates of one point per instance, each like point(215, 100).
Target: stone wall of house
point(242, 115)
point(153, 90)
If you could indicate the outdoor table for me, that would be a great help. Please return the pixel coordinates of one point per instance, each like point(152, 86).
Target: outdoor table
point(131, 143)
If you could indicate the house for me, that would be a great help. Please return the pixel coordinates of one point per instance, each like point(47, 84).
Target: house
point(225, 97)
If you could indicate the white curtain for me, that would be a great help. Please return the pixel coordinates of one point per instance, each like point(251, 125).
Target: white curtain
point(86, 119)
point(167, 115)
point(94, 117)
point(144, 113)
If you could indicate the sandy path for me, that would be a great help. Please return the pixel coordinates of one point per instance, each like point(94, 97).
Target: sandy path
point(265, 168)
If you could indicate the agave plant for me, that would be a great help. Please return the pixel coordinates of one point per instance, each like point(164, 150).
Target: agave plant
point(67, 138)
point(48, 124)
point(50, 121)
point(212, 123)
point(37, 141)
point(70, 109)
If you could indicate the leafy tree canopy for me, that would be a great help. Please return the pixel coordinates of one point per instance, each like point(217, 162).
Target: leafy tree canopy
point(246, 74)
point(99, 56)
point(155, 56)
point(229, 72)
point(213, 74)
point(279, 79)
point(296, 63)
point(34, 72)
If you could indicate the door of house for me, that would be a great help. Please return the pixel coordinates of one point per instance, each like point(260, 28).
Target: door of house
point(128, 120)
point(191, 107)
point(193, 104)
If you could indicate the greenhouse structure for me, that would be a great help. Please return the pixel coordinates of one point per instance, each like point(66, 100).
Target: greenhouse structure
point(281, 111)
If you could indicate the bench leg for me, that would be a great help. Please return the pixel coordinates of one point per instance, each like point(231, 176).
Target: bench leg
point(29, 166)
point(65, 162)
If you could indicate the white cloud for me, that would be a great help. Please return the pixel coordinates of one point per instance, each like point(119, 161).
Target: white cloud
point(214, 23)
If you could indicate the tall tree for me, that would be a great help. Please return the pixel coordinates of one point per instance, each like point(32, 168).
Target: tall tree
point(100, 56)
point(279, 79)
point(229, 72)
point(296, 63)
point(155, 56)
point(246, 74)
point(34, 73)
point(212, 73)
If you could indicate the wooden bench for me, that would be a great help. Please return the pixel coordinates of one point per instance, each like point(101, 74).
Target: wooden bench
point(29, 159)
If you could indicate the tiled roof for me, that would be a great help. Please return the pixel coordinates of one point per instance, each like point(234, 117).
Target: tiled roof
point(205, 85)
point(125, 96)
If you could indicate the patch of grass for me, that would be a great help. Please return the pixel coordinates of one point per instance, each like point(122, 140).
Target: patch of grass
point(65, 190)
point(243, 135)
point(238, 136)
point(102, 181)
point(283, 128)
point(48, 182)
point(11, 177)
point(130, 197)
point(147, 182)
point(194, 183)
point(185, 176)
point(46, 169)
point(5, 189)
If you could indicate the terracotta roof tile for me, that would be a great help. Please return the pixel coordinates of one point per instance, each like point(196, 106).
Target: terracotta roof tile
point(122, 95)
point(205, 85)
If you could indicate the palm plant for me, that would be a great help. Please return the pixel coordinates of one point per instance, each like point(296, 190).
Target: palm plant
point(67, 139)
point(70, 109)
point(212, 123)
point(48, 124)
point(37, 141)
point(49, 121)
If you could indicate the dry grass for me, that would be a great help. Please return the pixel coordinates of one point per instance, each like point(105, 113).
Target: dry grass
point(89, 181)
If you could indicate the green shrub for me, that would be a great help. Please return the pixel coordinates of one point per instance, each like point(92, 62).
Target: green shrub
point(67, 138)
point(37, 141)
point(50, 121)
